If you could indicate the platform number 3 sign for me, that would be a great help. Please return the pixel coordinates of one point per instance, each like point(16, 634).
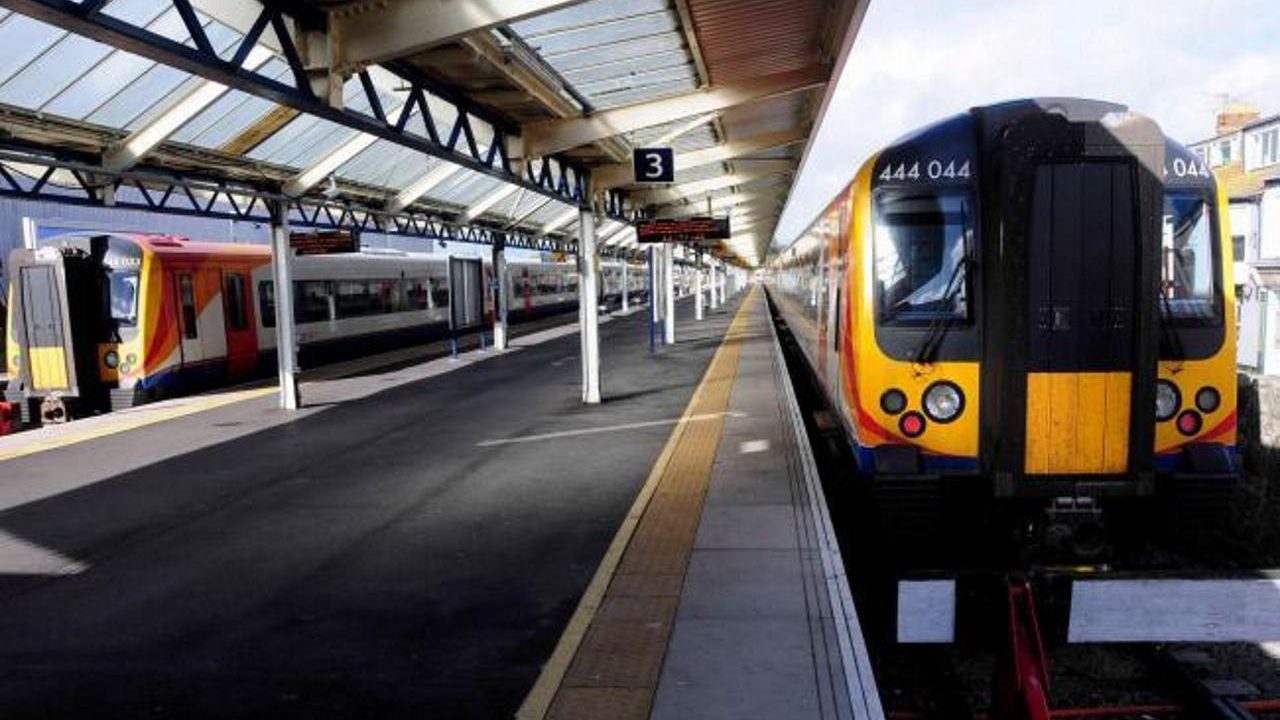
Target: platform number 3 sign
point(654, 165)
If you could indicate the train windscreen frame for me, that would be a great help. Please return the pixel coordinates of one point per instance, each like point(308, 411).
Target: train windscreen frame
point(935, 230)
point(1194, 324)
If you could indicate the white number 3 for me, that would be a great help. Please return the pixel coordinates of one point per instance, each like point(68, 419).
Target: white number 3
point(654, 169)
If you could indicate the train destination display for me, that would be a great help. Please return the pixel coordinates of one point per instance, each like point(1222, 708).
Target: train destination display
point(691, 229)
point(325, 242)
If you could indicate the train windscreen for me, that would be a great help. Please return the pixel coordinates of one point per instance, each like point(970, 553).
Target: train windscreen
point(922, 242)
point(122, 286)
point(1189, 292)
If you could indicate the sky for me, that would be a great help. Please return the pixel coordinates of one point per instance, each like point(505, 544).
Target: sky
point(916, 61)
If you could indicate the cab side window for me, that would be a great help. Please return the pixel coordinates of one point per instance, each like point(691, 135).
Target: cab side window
point(233, 286)
point(267, 303)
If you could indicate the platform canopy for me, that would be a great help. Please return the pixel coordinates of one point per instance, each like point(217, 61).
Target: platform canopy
point(473, 120)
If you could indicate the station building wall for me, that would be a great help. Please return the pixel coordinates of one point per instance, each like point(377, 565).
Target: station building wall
point(1258, 281)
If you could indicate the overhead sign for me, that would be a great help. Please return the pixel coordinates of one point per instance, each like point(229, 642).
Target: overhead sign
point(325, 242)
point(686, 230)
point(654, 165)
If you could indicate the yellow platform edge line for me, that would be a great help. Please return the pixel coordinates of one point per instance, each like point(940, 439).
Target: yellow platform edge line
point(538, 702)
point(126, 423)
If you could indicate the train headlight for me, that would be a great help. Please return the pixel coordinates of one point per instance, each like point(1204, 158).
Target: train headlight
point(111, 359)
point(943, 402)
point(1168, 400)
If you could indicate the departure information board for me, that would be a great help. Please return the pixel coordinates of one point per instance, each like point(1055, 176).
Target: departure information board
point(325, 242)
point(687, 230)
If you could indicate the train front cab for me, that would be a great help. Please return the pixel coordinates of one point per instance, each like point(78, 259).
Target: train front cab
point(65, 331)
point(1022, 281)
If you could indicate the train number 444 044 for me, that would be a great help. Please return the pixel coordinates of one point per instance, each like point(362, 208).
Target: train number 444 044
point(926, 170)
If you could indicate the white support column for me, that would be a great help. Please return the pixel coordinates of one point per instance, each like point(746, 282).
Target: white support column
point(286, 337)
point(697, 287)
point(501, 292)
point(669, 293)
point(626, 285)
point(654, 278)
point(589, 306)
point(715, 297)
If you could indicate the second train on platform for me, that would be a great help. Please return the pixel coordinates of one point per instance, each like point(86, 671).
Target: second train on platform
point(110, 320)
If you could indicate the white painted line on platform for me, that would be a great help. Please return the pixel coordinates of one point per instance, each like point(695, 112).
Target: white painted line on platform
point(606, 429)
point(19, 557)
point(749, 447)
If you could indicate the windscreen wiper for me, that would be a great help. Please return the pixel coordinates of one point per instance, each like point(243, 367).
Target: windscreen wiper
point(938, 328)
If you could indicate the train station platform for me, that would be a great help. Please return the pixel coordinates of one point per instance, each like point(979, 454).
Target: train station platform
point(448, 538)
point(723, 595)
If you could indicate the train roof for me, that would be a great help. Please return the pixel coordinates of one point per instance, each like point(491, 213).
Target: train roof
point(178, 246)
point(955, 136)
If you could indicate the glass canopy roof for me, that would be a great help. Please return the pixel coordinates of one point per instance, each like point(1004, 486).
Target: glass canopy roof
point(612, 52)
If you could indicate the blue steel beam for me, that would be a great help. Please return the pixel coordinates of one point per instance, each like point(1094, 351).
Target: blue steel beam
point(163, 190)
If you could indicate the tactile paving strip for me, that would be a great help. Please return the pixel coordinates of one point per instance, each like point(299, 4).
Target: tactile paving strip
point(614, 673)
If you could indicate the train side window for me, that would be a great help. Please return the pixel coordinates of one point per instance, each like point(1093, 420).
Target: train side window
point(419, 290)
point(233, 286)
point(187, 297)
point(267, 303)
point(836, 321)
point(354, 298)
point(439, 287)
point(311, 301)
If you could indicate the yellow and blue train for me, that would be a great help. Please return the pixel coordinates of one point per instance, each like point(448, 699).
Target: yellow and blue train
point(1033, 299)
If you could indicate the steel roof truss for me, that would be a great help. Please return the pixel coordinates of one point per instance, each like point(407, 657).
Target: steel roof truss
point(166, 191)
point(552, 136)
point(85, 18)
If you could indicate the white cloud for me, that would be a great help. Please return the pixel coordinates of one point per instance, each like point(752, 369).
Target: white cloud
point(916, 61)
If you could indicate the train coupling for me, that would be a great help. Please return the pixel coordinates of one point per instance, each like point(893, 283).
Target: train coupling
point(53, 410)
point(1073, 526)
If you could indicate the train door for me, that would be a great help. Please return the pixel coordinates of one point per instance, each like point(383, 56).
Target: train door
point(201, 325)
point(1078, 207)
point(60, 318)
point(1080, 349)
point(466, 293)
point(49, 365)
point(837, 272)
point(242, 340)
